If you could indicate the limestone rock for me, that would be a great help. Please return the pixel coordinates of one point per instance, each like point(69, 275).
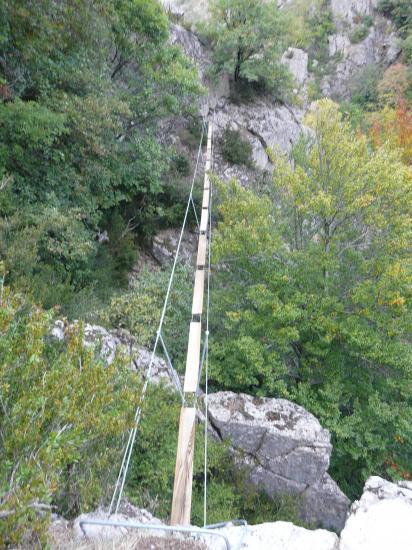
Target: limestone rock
point(381, 519)
point(270, 536)
point(265, 124)
point(165, 245)
point(349, 9)
point(379, 47)
point(108, 343)
point(190, 44)
point(191, 11)
point(325, 500)
point(285, 450)
point(57, 331)
point(297, 62)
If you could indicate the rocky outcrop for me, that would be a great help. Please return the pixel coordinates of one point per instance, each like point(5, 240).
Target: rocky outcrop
point(109, 343)
point(165, 245)
point(270, 536)
point(381, 519)
point(285, 450)
point(379, 46)
point(191, 11)
point(265, 124)
point(297, 62)
point(350, 9)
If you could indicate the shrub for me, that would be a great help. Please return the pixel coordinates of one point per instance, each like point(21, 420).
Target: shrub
point(180, 164)
point(359, 33)
point(235, 149)
point(364, 87)
point(63, 412)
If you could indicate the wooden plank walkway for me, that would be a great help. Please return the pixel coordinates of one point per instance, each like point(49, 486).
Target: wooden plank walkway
point(182, 490)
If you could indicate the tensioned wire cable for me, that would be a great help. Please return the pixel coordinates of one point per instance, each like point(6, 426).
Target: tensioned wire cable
point(207, 345)
point(121, 478)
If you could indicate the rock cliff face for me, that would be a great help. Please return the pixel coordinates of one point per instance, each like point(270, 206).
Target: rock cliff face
point(378, 47)
point(285, 450)
point(263, 122)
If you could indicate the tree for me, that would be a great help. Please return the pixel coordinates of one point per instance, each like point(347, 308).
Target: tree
point(317, 293)
point(83, 86)
point(248, 39)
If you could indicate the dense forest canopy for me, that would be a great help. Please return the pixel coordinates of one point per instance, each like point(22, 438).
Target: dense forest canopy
point(84, 86)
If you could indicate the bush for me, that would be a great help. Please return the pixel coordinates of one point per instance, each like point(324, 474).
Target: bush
point(364, 87)
point(359, 33)
point(235, 149)
point(62, 416)
point(180, 164)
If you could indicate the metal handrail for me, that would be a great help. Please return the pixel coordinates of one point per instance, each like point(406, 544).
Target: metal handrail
point(156, 527)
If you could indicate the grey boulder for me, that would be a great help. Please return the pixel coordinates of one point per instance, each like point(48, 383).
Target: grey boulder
point(285, 450)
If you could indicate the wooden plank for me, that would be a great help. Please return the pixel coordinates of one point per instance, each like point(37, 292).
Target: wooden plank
point(201, 251)
point(197, 307)
point(182, 490)
point(204, 220)
point(193, 357)
point(206, 197)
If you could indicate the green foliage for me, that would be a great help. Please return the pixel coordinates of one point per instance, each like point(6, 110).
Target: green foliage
point(61, 416)
point(400, 11)
point(86, 85)
point(248, 39)
point(180, 165)
point(235, 149)
point(316, 294)
point(139, 310)
point(359, 33)
point(364, 87)
point(310, 26)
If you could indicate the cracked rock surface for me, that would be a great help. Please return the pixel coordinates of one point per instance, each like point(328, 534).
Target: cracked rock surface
point(285, 449)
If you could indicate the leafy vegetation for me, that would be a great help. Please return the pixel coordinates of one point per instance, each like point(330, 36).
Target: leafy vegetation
point(84, 95)
point(312, 277)
point(400, 11)
point(235, 149)
point(317, 301)
point(248, 38)
point(139, 310)
point(61, 417)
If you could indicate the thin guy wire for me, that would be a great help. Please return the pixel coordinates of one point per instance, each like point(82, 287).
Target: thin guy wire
point(195, 213)
point(173, 373)
point(207, 343)
point(132, 436)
